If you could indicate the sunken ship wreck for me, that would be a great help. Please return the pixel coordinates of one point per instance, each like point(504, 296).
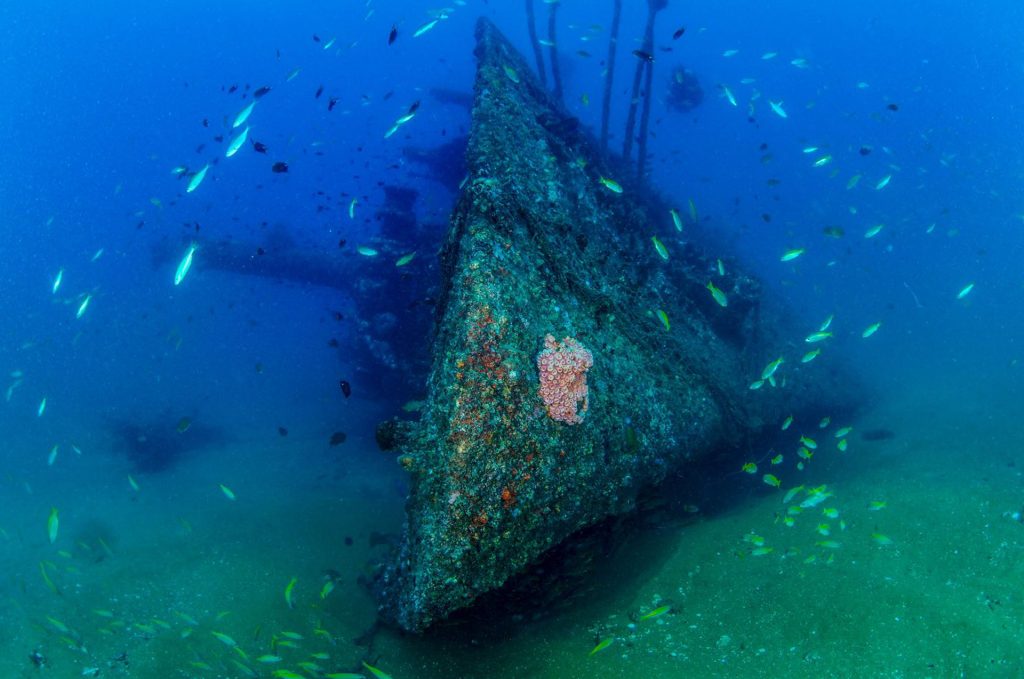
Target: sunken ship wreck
point(585, 348)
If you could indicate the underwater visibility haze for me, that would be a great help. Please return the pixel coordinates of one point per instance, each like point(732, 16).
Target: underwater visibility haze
point(511, 338)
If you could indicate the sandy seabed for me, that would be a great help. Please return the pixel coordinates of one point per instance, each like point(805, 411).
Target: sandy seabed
point(928, 585)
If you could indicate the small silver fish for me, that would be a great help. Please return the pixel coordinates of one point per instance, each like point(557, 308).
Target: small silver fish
point(197, 179)
point(184, 265)
point(243, 115)
point(83, 306)
point(776, 106)
point(237, 143)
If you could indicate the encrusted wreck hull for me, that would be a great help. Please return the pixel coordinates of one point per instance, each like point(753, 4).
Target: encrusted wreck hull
point(539, 245)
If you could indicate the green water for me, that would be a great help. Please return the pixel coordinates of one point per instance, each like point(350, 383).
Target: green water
point(943, 599)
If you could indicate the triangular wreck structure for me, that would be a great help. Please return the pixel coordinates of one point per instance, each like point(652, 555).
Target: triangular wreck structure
point(576, 361)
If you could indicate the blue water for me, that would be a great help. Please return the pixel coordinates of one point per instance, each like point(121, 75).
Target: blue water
point(100, 102)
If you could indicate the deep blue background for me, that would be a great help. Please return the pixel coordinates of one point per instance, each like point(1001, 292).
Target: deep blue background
point(99, 103)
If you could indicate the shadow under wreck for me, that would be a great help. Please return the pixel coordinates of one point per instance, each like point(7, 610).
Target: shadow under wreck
point(157, 446)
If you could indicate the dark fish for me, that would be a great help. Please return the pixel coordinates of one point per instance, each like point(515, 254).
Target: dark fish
point(415, 106)
point(260, 251)
point(679, 33)
point(206, 122)
point(219, 138)
point(338, 316)
point(259, 146)
point(766, 217)
point(893, 107)
point(338, 437)
point(646, 56)
point(279, 167)
point(261, 92)
point(346, 388)
point(319, 91)
point(332, 103)
point(232, 89)
point(282, 431)
point(348, 540)
point(833, 231)
point(865, 150)
point(341, 243)
point(259, 368)
point(184, 424)
point(393, 34)
point(333, 343)
point(316, 38)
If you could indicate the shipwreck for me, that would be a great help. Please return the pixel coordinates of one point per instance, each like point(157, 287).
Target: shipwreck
point(580, 353)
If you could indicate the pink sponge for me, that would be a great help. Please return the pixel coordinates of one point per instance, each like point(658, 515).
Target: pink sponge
point(563, 378)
